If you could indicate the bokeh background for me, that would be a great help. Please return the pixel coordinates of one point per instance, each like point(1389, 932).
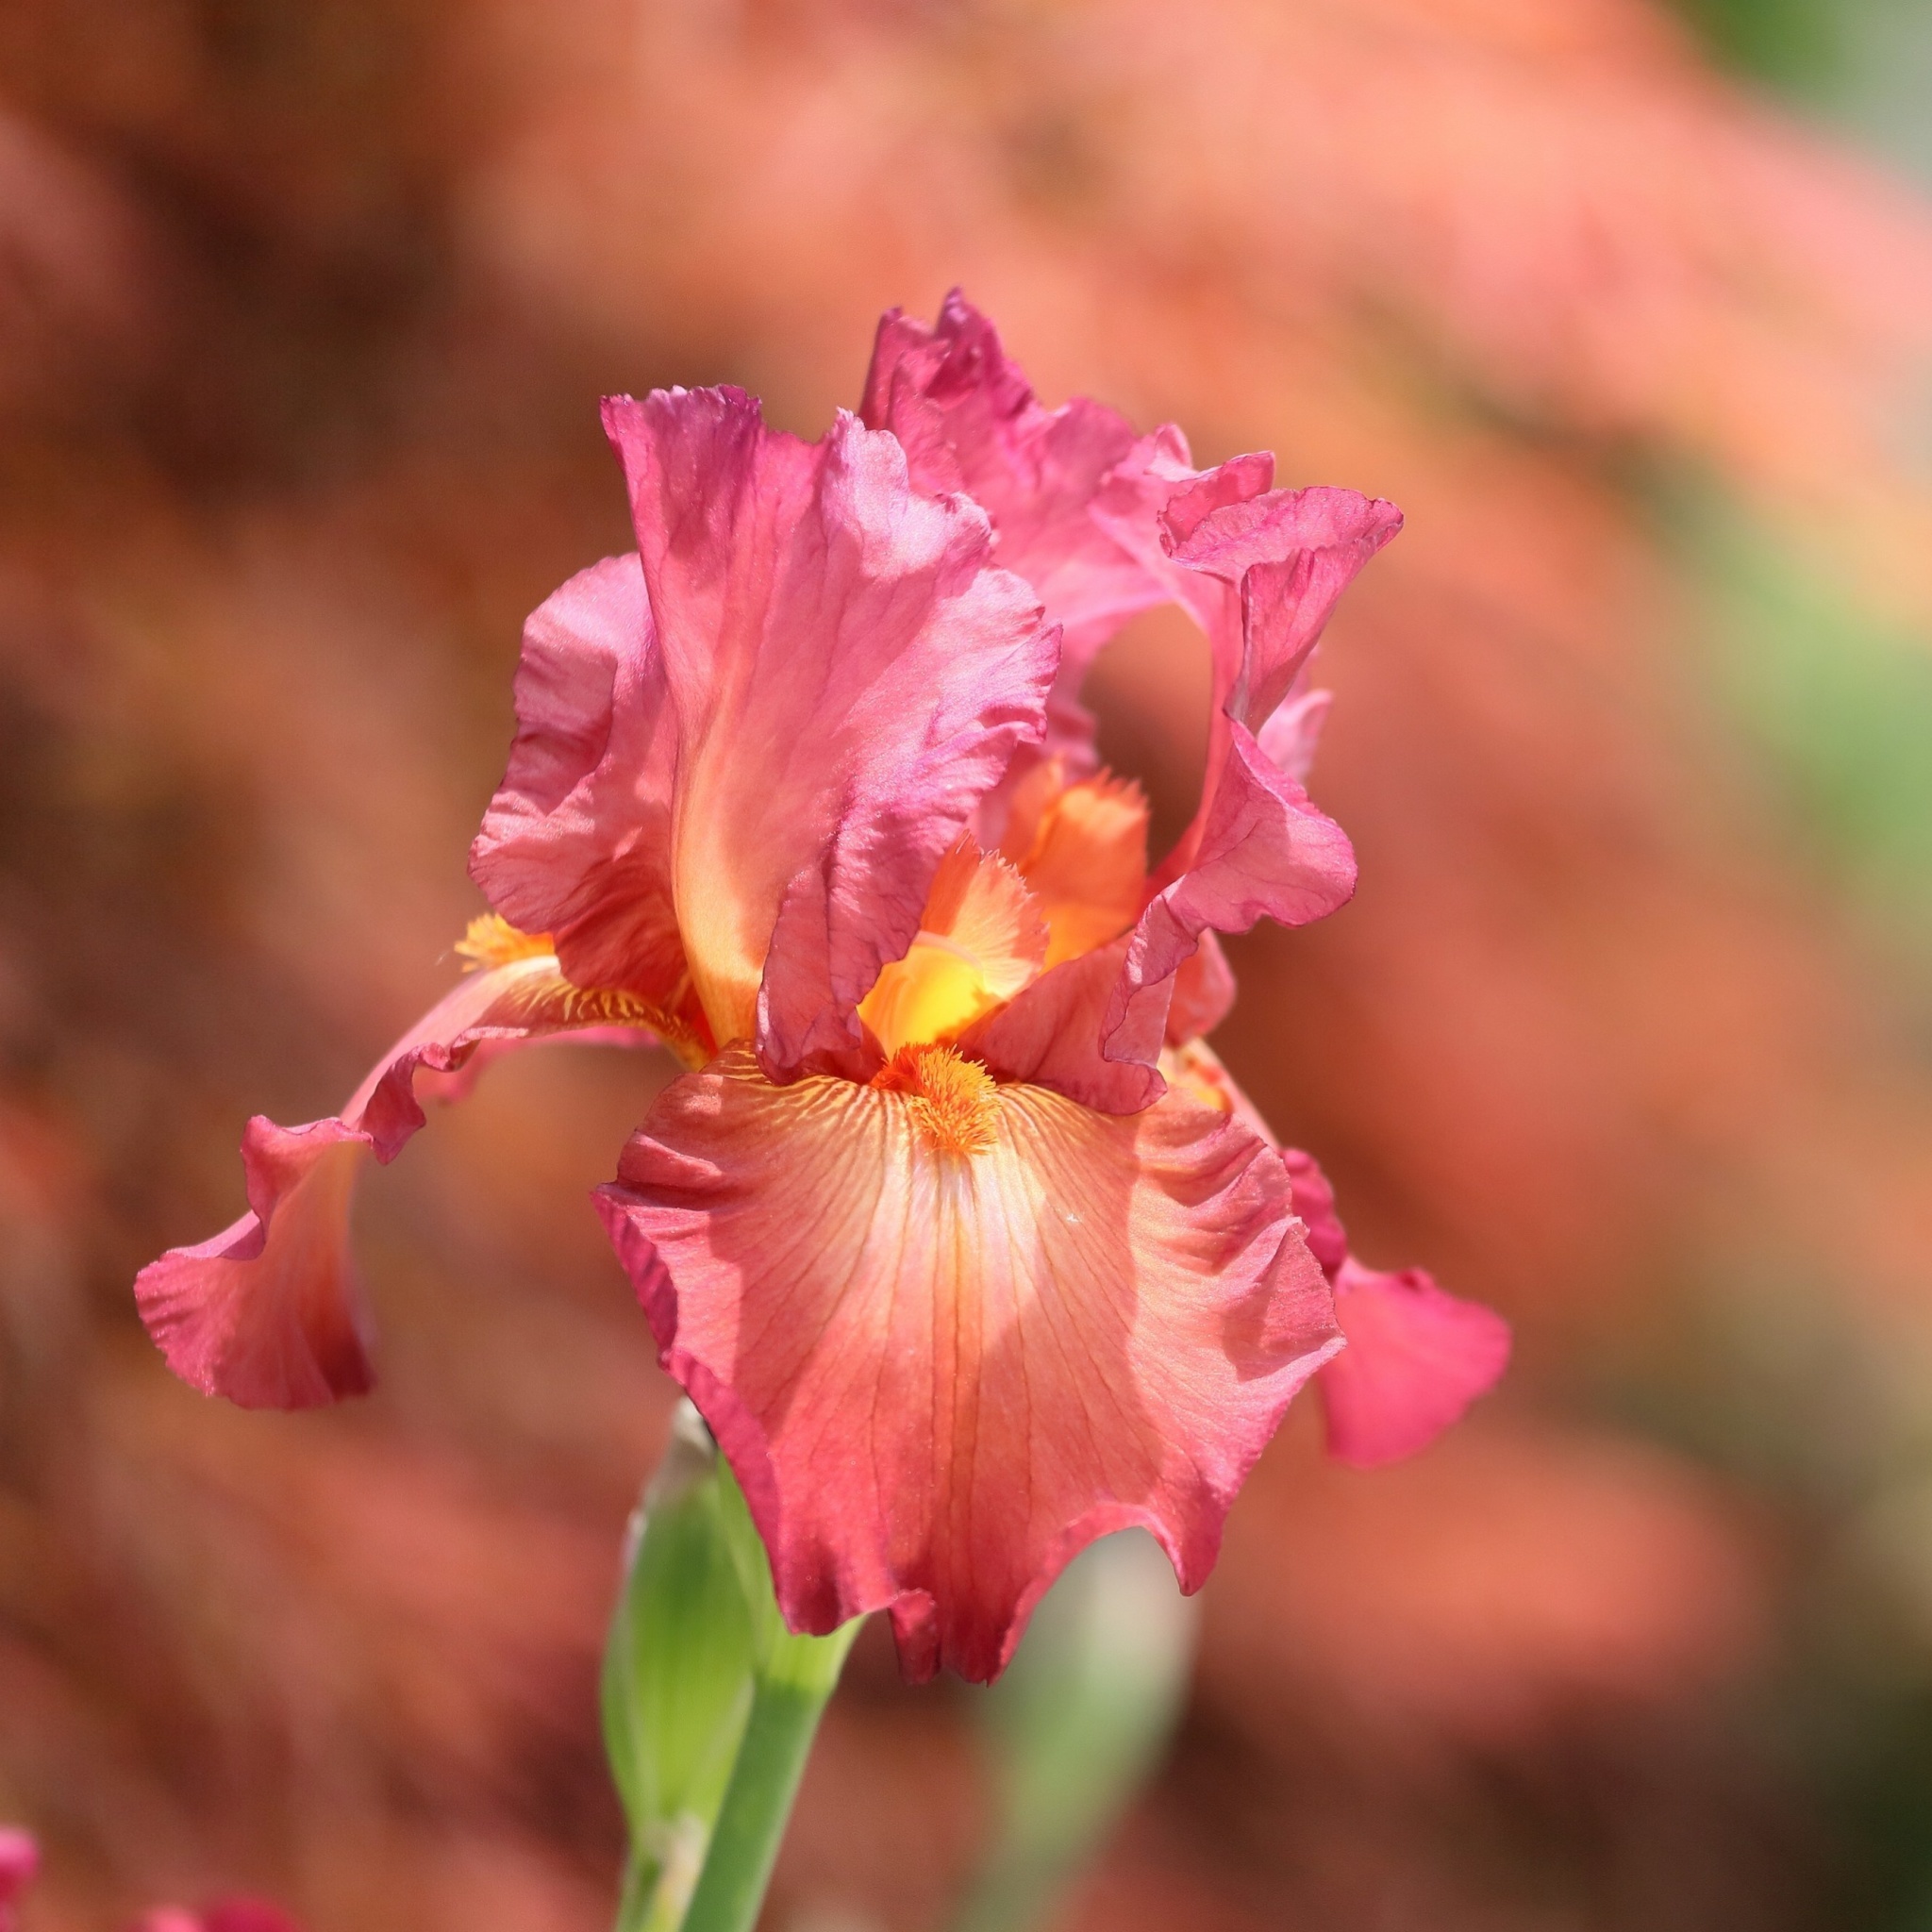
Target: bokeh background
point(304, 310)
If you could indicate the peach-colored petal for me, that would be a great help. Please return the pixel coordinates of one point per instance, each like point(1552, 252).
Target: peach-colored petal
point(1416, 1359)
point(270, 1312)
point(848, 676)
point(938, 1373)
point(1087, 864)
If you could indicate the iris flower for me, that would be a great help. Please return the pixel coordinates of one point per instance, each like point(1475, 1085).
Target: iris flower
point(959, 1236)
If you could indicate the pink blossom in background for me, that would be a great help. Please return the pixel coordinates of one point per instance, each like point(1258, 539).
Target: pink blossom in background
point(232, 1915)
point(19, 1862)
point(965, 1248)
point(20, 1859)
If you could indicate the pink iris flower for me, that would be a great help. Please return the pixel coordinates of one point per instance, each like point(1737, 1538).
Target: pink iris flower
point(963, 1242)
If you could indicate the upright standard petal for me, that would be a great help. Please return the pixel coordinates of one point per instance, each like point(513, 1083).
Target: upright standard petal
point(577, 843)
point(949, 1331)
point(270, 1312)
point(1103, 523)
point(1266, 572)
point(1261, 849)
point(1074, 493)
point(1288, 555)
point(969, 420)
point(848, 676)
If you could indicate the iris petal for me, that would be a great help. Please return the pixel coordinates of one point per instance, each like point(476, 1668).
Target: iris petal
point(1416, 1356)
point(270, 1311)
point(1416, 1359)
point(939, 1374)
point(848, 676)
point(982, 941)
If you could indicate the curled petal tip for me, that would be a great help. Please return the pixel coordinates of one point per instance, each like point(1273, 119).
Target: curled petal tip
point(270, 1313)
point(1416, 1359)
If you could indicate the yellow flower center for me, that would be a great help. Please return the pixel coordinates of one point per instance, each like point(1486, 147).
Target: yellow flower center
point(542, 997)
point(492, 941)
point(980, 940)
point(954, 1102)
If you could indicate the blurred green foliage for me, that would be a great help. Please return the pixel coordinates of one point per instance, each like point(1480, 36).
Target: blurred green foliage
point(1079, 1723)
point(1838, 700)
point(1794, 43)
point(1866, 65)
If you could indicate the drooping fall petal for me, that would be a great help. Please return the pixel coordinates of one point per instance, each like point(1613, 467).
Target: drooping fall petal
point(269, 1312)
point(577, 843)
point(848, 676)
point(1314, 1200)
point(1416, 1359)
point(947, 1331)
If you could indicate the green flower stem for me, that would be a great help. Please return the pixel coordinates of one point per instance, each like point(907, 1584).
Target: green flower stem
point(758, 1802)
point(640, 1893)
point(711, 1704)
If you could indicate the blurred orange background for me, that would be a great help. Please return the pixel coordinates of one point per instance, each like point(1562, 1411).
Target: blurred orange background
point(304, 312)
